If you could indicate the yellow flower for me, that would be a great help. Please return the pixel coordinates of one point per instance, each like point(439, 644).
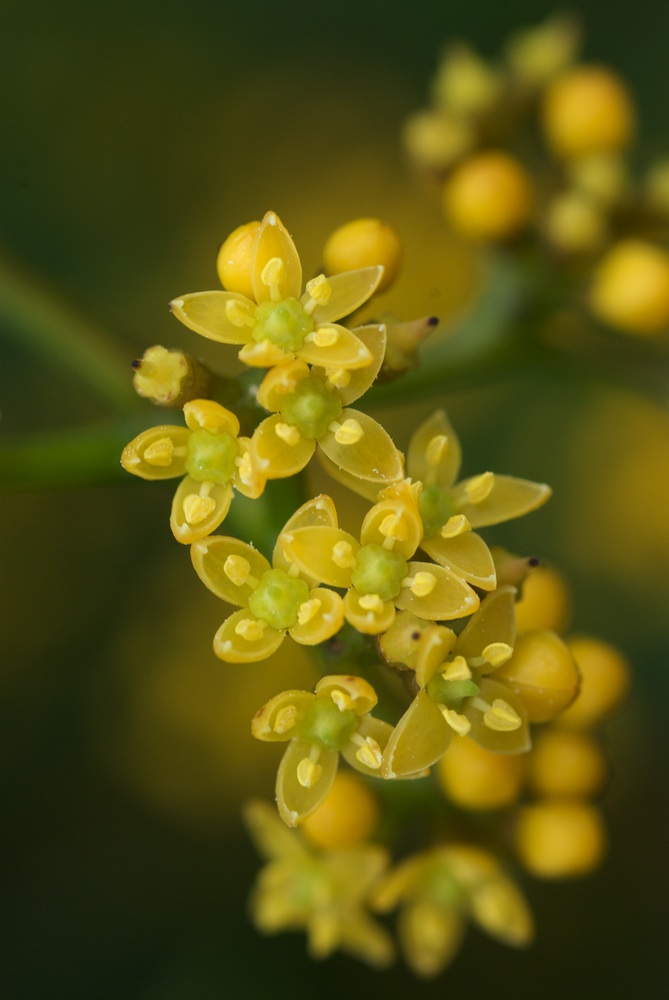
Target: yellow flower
point(449, 509)
point(275, 598)
point(321, 892)
point(377, 571)
point(213, 458)
point(460, 691)
point(277, 325)
point(439, 889)
point(318, 727)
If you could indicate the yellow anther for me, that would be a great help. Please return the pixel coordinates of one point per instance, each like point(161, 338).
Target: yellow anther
point(339, 377)
point(437, 449)
point(160, 452)
point(455, 525)
point(480, 487)
point(285, 719)
point(238, 314)
point(325, 336)
point(245, 468)
point(308, 610)
point(250, 629)
point(198, 508)
point(237, 570)
point(501, 717)
point(342, 555)
point(497, 653)
point(423, 584)
point(371, 602)
point(287, 433)
point(457, 670)
point(320, 289)
point(459, 723)
point(308, 772)
point(349, 432)
point(342, 700)
point(273, 275)
point(394, 527)
point(369, 753)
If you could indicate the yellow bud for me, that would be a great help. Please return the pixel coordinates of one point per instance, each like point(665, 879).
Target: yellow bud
point(560, 839)
point(542, 672)
point(476, 778)
point(233, 263)
point(488, 196)
point(364, 243)
point(437, 140)
point(587, 109)
point(574, 223)
point(631, 288)
point(544, 601)
point(565, 762)
point(605, 680)
point(346, 817)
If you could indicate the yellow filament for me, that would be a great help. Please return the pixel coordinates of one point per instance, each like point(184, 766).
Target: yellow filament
point(497, 653)
point(160, 452)
point(479, 488)
point(455, 525)
point(285, 719)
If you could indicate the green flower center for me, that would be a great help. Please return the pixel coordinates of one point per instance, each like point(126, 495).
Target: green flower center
point(312, 407)
point(328, 726)
point(379, 571)
point(283, 323)
point(435, 508)
point(439, 884)
point(450, 693)
point(278, 597)
point(211, 456)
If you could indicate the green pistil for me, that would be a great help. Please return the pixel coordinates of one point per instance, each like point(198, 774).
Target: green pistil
point(283, 323)
point(450, 693)
point(211, 456)
point(440, 885)
point(379, 571)
point(277, 598)
point(435, 508)
point(328, 726)
point(311, 408)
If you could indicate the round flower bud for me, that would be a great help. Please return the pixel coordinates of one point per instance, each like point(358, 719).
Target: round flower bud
point(544, 601)
point(476, 778)
point(587, 110)
point(364, 243)
point(574, 223)
point(233, 263)
point(543, 672)
point(346, 817)
point(631, 288)
point(565, 763)
point(560, 839)
point(488, 196)
point(605, 680)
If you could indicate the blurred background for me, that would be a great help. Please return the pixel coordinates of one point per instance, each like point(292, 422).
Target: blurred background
point(134, 138)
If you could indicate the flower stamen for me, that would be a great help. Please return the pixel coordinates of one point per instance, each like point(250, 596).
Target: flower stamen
point(456, 525)
point(479, 488)
point(350, 432)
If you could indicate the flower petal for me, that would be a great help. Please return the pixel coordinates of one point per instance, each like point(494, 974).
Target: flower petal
point(510, 741)
point(395, 516)
point(276, 720)
point(434, 645)
point(431, 935)
point(350, 290)
point(210, 557)
point(450, 597)
point(419, 739)
point(362, 487)
point(495, 621)
point(319, 511)
point(439, 464)
point(467, 555)
point(508, 498)
point(374, 729)
point(198, 509)
point(207, 314)
point(273, 240)
point(326, 621)
point(325, 554)
point(280, 382)
point(269, 833)
point(342, 350)
point(273, 455)
point(242, 646)
point(356, 690)
point(373, 457)
point(295, 802)
point(160, 443)
point(208, 415)
point(369, 621)
point(358, 380)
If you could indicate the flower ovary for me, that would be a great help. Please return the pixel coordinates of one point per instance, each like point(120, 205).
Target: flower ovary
point(277, 598)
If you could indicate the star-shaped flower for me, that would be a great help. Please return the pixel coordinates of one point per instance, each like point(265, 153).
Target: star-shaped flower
point(459, 692)
point(211, 455)
point(334, 719)
point(275, 598)
point(377, 570)
point(280, 322)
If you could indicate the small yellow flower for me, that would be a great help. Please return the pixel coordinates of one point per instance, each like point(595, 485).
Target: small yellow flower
point(323, 893)
point(213, 458)
point(560, 838)
point(605, 681)
point(364, 243)
point(318, 727)
point(543, 674)
point(275, 598)
point(278, 322)
point(489, 196)
point(630, 289)
point(587, 109)
point(475, 778)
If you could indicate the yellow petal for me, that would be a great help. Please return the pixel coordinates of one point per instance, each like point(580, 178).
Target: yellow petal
point(507, 499)
point(273, 455)
point(295, 802)
point(434, 645)
point(450, 597)
point(273, 240)
point(362, 487)
point(208, 415)
point(231, 646)
point(419, 739)
point(495, 621)
point(509, 741)
point(467, 555)
point(206, 314)
point(373, 457)
point(342, 350)
point(188, 528)
point(211, 557)
point(431, 935)
point(358, 380)
point(325, 622)
point(359, 694)
point(279, 382)
point(323, 553)
point(277, 719)
point(161, 443)
point(369, 621)
point(349, 290)
point(269, 833)
point(319, 511)
point(375, 730)
point(395, 519)
point(430, 458)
